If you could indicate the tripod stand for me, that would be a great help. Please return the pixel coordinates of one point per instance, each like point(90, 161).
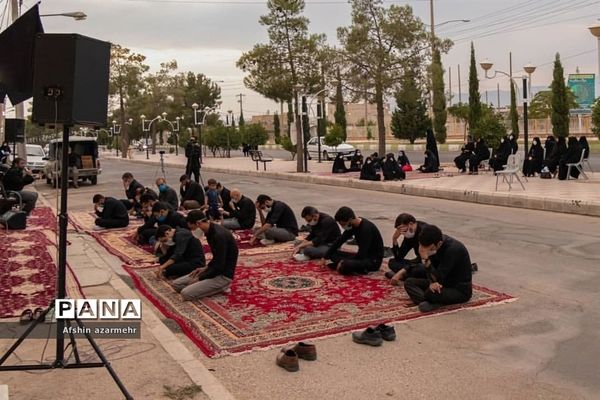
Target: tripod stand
point(60, 361)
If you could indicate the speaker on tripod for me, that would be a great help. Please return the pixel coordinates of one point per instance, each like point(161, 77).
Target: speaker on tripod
point(70, 88)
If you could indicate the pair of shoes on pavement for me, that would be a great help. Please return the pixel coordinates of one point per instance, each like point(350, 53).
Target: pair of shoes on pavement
point(288, 356)
point(375, 336)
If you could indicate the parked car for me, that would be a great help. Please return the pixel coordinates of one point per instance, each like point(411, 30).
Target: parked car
point(35, 158)
point(86, 148)
point(328, 152)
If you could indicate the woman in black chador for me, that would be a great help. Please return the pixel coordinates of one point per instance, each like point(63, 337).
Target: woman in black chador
point(533, 163)
point(558, 151)
point(356, 162)
point(339, 167)
point(573, 155)
point(431, 163)
point(432, 144)
point(368, 172)
point(500, 156)
point(391, 169)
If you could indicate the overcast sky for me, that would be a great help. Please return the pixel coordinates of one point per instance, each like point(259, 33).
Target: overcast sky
point(209, 36)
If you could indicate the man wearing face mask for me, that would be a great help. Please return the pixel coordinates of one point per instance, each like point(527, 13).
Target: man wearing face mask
point(178, 251)
point(369, 241)
point(401, 268)
point(448, 269)
point(242, 214)
point(167, 194)
point(278, 221)
point(111, 212)
point(161, 215)
point(16, 179)
point(324, 231)
point(192, 194)
point(218, 274)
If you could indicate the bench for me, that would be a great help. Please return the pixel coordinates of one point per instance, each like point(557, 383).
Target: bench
point(257, 157)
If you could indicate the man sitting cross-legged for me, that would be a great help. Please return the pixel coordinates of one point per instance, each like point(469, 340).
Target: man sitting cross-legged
point(369, 241)
point(448, 268)
point(218, 274)
point(178, 252)
point(323, 232)
point(192, 194)
point(401, 268)
point(162, 214)
point(278, 221)
point(167, 194)
point(241, 214)
point(111, 212)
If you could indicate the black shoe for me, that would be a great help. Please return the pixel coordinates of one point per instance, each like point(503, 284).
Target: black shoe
point(387, 332)
point(474, 267)
point(426, 306)
point(369, 336)
point(390, 274)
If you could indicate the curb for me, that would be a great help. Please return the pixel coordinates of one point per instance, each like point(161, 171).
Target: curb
point(502, 199)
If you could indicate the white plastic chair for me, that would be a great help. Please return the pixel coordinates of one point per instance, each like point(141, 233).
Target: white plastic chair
point(511, 169)
point(578, 165)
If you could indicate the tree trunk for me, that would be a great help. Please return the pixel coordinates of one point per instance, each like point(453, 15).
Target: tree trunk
point(124, 128)
point(380, 117)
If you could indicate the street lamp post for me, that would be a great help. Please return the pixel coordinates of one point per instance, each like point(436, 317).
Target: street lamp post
point(200, 121)
point(146, 129)
point(116, 130)
point(174, 128)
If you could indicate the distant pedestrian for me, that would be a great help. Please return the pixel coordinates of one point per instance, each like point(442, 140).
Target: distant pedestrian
point(193, 153)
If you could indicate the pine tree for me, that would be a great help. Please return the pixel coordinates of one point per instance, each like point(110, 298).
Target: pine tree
point(241, 121)
point(276, 128)
point(513, 114)
point(474, 95)
point(410, 120)
point(340, 112)
point(560, 105)
point(439, 98)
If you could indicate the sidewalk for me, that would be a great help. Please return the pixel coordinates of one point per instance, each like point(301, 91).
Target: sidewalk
point(572, 196)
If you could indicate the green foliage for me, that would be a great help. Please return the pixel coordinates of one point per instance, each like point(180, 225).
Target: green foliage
point(541, 104)
point(513, 114)
point(560, 104)
point(241, 121)
point(286, 144)
point(410, 120)
point(361, 122)
point(460, 111)
point(335, 136)
point(474, 95)
point(596, 118)
point(255, 134)
point(221, 139)
point(439, 98)
point(490, 127)
point(340, 112)
point(370, 133)
point(276, 128)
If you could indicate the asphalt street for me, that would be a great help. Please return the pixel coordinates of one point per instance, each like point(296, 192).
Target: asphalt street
point(544, 345)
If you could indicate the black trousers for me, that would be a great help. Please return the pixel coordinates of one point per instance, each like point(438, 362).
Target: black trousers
point(461, 161)
point(145, 235)
point(112, 223)
point(413, 270)
point(563, 169)
point(418, 291)
point(181, 268)
point(193, 168)
point(353, 265)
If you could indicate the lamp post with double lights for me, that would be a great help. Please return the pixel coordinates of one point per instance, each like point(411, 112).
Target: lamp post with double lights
point(115, 130)
point(487, 66)
point(146, 129)
point(174, 128)
point(200, 121)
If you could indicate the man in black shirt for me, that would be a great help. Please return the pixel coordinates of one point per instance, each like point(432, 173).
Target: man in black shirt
point(111, 212)
point(133, 190)
point(242, 214)
point(167, 194)
point(279, 224)
point(217, 276)
point(192, 193)
point(74, 166)
point(178, 251)
point(369, 241)
point(192, 152)
point(225, 196)
point(16, 179)
point(401, 268)
point(324, 231)
point(161, 215)
point(448, 268)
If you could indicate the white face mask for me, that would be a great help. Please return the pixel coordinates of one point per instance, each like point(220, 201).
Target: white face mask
point(101, 208)
point(313, 223)
point(170, 242)
point(267, 210)
point(348, 227)
point(409, 234)
point(198, 233)
point(432, 253)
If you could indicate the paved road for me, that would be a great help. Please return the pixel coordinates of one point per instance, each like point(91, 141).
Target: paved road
point(545, 345)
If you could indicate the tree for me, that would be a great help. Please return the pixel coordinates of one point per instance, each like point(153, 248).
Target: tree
point(255, 134)
point(126, 82)
point(474, 95)
point(276, 128)
point(490, 127)
point(440, 114)
point(241, 121)
point(560, 104)
point(541, 104)
point(340, 113)
point(513, 114)
point(596, 118)
point(334, 137)
point(410, 120)
point(379, 44)
point(286, 144)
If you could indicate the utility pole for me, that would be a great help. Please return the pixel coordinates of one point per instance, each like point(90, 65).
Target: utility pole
point(450, 86)
point(498, 91)
point(19, 108)
point(241, 101)
point(432, 45)
point(459, 87)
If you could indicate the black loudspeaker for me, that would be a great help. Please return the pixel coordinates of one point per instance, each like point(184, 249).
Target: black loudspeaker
point(14, 130)
point(70, 80)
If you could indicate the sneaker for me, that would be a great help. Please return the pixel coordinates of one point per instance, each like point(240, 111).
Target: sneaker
point(301, 257)
point(387, 332)
point(369, 336)
point(306, 351)
point(426, 306)
point(266, 242)
point(288, 360)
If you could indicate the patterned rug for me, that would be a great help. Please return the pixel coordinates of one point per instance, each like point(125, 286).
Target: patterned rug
point(274, 301)
point(28, 266)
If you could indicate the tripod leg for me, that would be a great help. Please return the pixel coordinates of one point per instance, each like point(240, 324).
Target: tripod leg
point(106, 363)
point(73, 344)
point(31, 327)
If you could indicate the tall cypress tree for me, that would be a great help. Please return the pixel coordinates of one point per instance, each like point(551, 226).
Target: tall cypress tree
point(340, 112)
point(513, 113)
point(290, 118)
point(560, 104)
point(474, 95)
point(439, 98)
point(276, 128)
